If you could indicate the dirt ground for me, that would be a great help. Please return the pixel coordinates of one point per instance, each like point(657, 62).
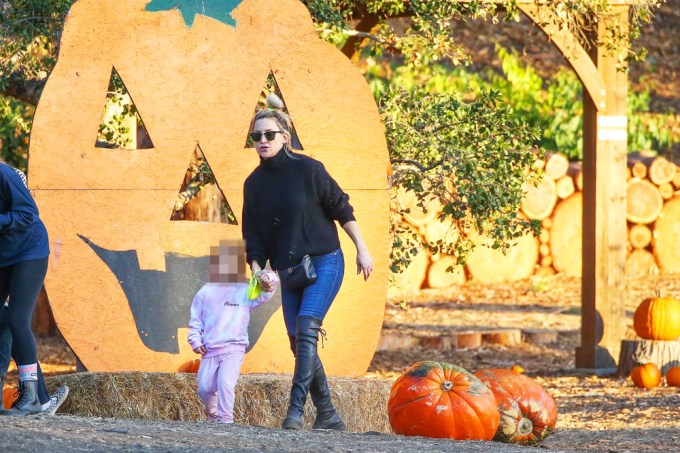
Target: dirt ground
point(596, 413)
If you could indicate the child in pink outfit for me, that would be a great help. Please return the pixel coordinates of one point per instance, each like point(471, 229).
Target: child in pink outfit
point(218, 328)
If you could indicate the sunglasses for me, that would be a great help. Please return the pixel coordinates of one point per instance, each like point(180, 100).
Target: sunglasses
point(269, 135)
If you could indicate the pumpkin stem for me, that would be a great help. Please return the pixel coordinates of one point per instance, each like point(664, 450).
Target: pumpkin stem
point(525, 427)
point(658, 293)
point(447, 385)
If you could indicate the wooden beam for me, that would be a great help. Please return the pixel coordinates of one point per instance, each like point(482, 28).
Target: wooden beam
point(604, 216)
point(571, 49)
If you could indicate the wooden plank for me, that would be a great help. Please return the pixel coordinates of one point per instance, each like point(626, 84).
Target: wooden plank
point(604, 220)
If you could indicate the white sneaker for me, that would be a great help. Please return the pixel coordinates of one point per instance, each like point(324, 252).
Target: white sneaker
point(56, 400)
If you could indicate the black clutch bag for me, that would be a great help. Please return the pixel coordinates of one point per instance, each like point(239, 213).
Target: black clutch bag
point(297, 277)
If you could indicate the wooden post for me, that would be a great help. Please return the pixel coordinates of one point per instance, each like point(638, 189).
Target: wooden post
point(604, 214)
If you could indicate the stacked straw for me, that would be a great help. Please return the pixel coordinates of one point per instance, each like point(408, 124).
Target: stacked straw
point(261, 399)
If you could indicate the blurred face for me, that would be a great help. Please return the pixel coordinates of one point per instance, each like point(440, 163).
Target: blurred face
point(227, 263)
point(268, 146)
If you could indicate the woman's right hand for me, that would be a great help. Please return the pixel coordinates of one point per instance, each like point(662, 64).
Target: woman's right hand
point(266, 284)
point(200, 350)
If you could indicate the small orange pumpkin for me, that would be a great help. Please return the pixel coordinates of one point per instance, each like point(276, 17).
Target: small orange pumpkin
point(437, 399)
point(646, 376)
point(658, 318)
point(9, 396)
point(673, 376)
point(195, 365)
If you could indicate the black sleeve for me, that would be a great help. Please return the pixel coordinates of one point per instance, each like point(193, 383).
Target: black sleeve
point(255, 247)
point(334, 201)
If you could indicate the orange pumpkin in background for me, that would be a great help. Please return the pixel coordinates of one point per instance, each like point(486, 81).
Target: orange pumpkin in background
point(658, 318)
point(673, 376)
point(646, 376)
point(9, 396)
point(437, 399)
point(528, 413)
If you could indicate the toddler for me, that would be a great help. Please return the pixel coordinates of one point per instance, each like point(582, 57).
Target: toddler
point(218, 328)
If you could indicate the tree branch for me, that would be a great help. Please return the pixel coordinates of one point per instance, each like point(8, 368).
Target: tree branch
point(27, 90)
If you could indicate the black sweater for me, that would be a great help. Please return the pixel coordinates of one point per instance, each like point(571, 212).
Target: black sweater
point(290, 206)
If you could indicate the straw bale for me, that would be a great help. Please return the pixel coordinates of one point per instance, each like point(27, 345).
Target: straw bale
point(261, 399)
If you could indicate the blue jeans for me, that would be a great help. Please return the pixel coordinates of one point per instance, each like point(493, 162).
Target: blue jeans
point(315, 299)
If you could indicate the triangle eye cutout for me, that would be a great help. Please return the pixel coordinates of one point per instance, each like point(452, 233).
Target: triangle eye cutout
point(121, 126)
point(200, 198)
point(270, 87)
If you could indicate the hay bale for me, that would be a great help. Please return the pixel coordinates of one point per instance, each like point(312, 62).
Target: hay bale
point(261, 399)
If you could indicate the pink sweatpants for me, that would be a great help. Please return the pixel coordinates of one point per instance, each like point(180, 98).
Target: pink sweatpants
point(217, 378)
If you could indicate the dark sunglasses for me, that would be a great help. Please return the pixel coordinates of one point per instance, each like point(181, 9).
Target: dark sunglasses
point(269, 135)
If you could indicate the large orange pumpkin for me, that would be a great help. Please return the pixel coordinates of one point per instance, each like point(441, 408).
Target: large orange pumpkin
point(646, 376)
point(528, 413)
point(437, 399)
point(673, 376)
point(658, 318)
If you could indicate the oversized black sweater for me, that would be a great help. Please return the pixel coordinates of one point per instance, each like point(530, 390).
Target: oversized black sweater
point(289, 210)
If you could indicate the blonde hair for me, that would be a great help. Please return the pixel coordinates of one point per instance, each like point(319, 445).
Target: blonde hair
point(274, 111)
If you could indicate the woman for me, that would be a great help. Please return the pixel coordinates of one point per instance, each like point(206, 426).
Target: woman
point(290, 207)
point(24, 251)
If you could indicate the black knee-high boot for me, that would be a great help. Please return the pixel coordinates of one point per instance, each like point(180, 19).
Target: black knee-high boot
point(326, 416)
point(306, 337)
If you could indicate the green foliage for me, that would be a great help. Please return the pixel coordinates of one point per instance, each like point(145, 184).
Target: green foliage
point(15, 125)
point(553, 105)
point(119, 110)
point(429, 36)
point(473, 157)
point(29, 34)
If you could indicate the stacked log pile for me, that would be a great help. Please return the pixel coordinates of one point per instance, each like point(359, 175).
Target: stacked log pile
point(653, 218)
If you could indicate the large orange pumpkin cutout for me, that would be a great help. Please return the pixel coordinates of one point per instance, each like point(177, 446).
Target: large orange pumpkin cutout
point(122, 274)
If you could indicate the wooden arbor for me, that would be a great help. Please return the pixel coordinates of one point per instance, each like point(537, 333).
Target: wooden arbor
point(604, 187)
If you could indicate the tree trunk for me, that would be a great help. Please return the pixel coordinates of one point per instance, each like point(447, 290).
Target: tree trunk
point(411, 279)
point(540, 200)
point(666, 190)
point(43, 323)
point(661, 171)
point(643, 201)
point(641, 262)
point(489, 266)
point(665, 354)
point(565, 187)
point(439, 277)
point(666, 234)
point(576, 172)
point(414, 214)
point(556, 165)
point(565, 236)
point(640, 236)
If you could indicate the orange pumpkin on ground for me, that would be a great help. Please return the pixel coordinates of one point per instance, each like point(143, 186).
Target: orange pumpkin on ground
point(9, 396)
point(437, 399)
point(646, 376)
point(528, 413)
point(658, 318)
point(673, 376)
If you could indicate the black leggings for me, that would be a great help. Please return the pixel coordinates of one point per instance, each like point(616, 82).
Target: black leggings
point(21, 282)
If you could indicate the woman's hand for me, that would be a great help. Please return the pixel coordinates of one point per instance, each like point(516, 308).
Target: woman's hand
point(364, 263)
point(364, 260)
point(266, 284)
point(200, 350)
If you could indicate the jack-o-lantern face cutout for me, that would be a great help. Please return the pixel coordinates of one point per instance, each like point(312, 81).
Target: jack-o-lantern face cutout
point(122, 272)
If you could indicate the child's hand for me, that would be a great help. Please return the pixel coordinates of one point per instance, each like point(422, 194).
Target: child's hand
point(200, 350)
point(266, 283)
